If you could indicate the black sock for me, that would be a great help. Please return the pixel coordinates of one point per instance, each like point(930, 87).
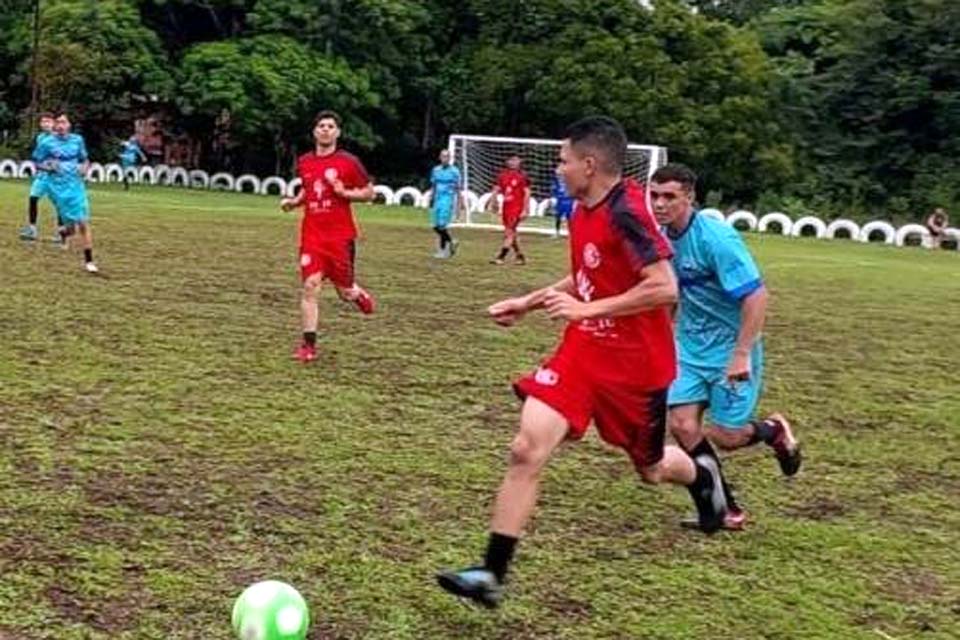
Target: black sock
point(33, 210)
point(310, 338)
point(557, 223)
point(764, 431)
point(499, 554)
point(702, 480)
point(445, 238)
point(88, 255)
point(503, 253)
point(704, 448)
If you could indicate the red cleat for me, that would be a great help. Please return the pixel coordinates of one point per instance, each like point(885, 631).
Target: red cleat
point(365, 302)
point(305, 353)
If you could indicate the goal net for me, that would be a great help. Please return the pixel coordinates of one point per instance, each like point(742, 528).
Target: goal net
point(481, 158)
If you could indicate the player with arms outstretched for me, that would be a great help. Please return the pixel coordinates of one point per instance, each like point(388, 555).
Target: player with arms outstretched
point(614, 363)
point(512, 184)
point(331, 180)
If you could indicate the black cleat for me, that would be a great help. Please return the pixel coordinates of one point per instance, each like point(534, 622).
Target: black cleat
point(475, 583)
point(710, 501)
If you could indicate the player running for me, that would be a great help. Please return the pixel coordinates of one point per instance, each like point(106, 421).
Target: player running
point(723, 304)
point(331, 180)
point(614, 363)
point(63, 156)
point(513, 185)
point(130, 154)
point(445, 201)
point(563, 204)
point(39, 187)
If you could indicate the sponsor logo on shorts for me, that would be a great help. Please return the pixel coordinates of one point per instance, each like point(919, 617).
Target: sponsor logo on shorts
point(546, 377)
point(305, 260)
point(591, 256)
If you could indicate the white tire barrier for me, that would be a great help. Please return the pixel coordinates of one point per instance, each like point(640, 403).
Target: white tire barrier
point(471, 201)
point(273, 181)
point(545, 204)
point(222, 180)
point(147, 175)
point(807, 222)
point(199, 179)
point(294, 187)
point(716, 214)
point(412, 193)
point(851, 227)
point(424, 201)
point(247, 179)
point(484, 201)
point(179, 177)
point(27, 169)
point(742, 217)
point(9, 169)
point(114, 172)
point(532, 207)
point(382, 194)
point(954, 234)
point(161, 174)
point(889, 233)
point(907, 230)
point(131, 174)
point(95, 172)
point(780, 219)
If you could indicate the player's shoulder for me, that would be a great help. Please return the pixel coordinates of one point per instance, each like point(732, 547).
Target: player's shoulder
point(346, 156)
point(628, 200)
point(713, 230)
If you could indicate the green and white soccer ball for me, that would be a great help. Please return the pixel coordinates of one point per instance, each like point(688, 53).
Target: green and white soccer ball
point(270, 610)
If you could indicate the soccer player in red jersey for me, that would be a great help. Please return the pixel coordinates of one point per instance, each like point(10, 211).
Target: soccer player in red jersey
point(615, 361)
point(332, 179)
point(513, 185)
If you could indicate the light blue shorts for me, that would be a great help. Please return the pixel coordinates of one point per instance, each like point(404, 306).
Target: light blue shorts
point(71, 201)
point(441, 213)
point(731, 405)
point(40, 187)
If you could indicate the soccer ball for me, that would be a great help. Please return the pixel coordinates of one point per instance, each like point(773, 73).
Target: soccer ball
point(270, 610)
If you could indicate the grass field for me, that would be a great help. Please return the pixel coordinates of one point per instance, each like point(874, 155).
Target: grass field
point(159, 451)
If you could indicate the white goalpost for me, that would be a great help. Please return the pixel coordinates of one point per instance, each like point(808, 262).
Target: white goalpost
point(481, 158)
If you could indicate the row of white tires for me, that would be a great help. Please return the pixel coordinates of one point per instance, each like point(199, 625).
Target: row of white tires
point(775, 222)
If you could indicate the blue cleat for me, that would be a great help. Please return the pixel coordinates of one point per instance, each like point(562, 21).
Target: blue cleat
point(28, 232)
point(476, 583)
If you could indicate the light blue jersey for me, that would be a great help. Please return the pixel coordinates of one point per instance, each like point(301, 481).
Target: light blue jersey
point(445, 182)
point(130, 153)
point(564, 202)
point(715, 272)
point(62, 157)
point(39, 187)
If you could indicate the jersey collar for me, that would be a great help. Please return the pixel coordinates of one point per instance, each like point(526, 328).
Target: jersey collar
point(676, 235)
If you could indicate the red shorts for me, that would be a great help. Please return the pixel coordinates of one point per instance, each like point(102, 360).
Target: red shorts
point(584, 382)
point(334, 259)
point(511, 220)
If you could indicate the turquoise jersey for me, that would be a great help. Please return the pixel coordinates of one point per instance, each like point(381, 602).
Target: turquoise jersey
point(63, 155)
point(715, 272)
point(445, 181)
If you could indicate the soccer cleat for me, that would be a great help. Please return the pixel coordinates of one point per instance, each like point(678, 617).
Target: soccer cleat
point(785, 446)
point(710, 501)
point(91, 267)
point(305, 353)
point(365, 302)
point(452, 247)
point(520, 260)
point(28, 232)
point(476, 583)
point(441, 254)
point(497, 261)
point(735, 519)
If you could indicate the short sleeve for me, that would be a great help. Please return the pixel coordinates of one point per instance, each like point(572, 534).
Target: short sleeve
point(358, 173)
point(641, 237)
point(735, 268)
point(83, 157)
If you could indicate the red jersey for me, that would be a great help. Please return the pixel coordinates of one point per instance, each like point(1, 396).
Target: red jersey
point(513, 185)
point(327, 216)
point(610, 243)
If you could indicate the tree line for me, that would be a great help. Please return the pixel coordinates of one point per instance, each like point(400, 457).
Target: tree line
point(840, 106)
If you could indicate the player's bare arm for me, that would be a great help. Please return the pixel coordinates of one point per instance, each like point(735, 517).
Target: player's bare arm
point(752, 314)
point(360, 194)
point(292, 203)
point(657, 288)
point(509, 311)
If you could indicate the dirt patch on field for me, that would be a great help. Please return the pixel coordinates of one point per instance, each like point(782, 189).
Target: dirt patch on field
point(820, 509)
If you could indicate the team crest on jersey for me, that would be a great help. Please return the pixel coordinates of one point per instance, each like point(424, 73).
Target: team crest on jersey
point(305, 260)
point(330, 174)
point(591, 256)
point(546, 377)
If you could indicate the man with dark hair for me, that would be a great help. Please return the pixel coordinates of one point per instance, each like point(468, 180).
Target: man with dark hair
point(39, 187)
point(331, 179)
point(719, 321)
point(614, 363)
point(512, 184)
